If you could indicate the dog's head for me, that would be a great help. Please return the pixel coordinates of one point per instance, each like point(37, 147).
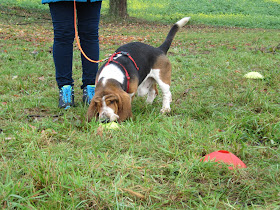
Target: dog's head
point(110, 106)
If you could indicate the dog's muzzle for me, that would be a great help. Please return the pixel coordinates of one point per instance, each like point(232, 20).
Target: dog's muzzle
point(105, 117)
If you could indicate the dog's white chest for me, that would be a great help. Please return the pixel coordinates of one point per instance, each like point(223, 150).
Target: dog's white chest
point(111, 72)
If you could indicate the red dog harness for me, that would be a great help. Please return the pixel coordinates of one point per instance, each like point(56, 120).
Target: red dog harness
point(111, 59)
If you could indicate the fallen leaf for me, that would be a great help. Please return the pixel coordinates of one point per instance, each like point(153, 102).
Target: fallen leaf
point(187, 91)
point(32, 127)
point(35, 52)
point(4, 103)
point(42, 78)
point(48, 131)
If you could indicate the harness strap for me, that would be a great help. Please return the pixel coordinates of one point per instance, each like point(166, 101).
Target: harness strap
point(126, 74)
point(123, 53)
point(129, 56)
point(111, 59)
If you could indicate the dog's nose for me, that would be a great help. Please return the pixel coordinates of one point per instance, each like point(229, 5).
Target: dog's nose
point(104, 120)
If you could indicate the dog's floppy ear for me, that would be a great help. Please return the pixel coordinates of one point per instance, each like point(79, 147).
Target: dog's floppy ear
point(93, 108)
point(124, 106)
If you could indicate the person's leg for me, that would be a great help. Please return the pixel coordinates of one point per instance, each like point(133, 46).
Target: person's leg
point(88, 25)
point(63, 25)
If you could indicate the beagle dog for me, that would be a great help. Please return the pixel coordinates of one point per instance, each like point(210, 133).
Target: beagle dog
point(134, 67)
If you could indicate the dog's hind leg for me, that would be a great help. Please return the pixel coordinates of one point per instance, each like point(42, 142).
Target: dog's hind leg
point(161, 73)
point(165, 88)
point(167, 97)
point(153, 92)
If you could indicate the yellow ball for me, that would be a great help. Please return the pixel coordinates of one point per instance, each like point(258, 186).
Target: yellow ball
point(111, 125)
point(253, 75)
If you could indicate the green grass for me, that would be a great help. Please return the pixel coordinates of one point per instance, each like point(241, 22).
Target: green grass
point(238, 13)
point(53, 159)
point(249, 13)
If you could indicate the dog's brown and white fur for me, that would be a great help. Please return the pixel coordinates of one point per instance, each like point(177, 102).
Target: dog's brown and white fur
point(112, 99)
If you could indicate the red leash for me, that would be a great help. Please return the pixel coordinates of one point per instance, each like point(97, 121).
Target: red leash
point(78, 41)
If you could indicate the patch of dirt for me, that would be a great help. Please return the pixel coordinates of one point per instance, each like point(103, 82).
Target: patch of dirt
point(36, 114)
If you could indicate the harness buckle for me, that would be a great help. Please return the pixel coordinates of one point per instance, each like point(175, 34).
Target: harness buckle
point(124, 53)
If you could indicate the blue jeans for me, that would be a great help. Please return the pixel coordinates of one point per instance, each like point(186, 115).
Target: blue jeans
point(88, 15)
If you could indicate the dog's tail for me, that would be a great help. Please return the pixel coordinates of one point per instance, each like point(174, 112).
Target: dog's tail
point(167, 43)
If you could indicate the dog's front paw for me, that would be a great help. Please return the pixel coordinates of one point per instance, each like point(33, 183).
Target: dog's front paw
point(165, 110)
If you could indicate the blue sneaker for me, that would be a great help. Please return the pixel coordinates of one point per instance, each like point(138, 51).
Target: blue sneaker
point(66, 97)
point(88, 93)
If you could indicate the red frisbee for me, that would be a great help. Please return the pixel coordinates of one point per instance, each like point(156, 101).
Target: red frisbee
point(226, 157)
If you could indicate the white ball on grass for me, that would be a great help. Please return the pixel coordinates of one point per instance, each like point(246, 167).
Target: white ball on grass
point(253, 75)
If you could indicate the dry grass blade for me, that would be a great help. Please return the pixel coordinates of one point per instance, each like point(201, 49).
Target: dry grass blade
point(133, 193)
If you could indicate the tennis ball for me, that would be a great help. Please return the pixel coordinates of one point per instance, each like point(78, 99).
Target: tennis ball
point(253, 75)
point(111, 125)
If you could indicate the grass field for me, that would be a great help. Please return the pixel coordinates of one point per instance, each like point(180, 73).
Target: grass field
point(240, 13)
point(53, 159)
